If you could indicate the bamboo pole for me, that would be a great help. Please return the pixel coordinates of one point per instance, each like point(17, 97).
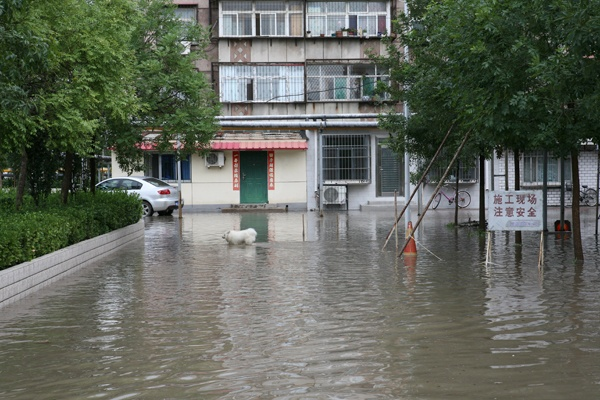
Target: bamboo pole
point(437, 189)
point(396, 216)
point(437, 153)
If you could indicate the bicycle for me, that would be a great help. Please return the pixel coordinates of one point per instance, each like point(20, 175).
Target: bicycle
point(587, 196)
point(464, 198)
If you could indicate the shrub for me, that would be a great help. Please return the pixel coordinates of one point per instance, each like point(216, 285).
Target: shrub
point(33, 232)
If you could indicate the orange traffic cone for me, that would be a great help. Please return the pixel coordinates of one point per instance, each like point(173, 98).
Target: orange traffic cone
point(411, 246)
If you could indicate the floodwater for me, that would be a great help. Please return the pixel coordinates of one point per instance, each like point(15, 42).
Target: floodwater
point(314, 310)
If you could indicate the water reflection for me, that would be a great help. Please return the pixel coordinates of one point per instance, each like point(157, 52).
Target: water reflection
point(314, 310)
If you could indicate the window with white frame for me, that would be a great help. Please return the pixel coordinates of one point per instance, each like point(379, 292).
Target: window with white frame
point(186, 14)
point(327, 17)
point(533, 168)
point(261, 83)
point(261, 18)
point(346, 159)
point(164, 166)
point(343, 82)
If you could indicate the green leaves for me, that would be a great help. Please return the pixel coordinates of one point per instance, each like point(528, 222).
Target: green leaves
point(173, 97)
point(77, 75)
point(507, 69)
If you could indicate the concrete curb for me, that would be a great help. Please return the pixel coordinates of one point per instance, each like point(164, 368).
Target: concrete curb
point(21, 280)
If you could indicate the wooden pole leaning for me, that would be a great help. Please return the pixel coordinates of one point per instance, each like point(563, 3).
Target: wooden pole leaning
point(398, 217)
point(437, 189)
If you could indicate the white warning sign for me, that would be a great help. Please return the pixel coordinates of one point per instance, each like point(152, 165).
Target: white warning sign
point(515, 210)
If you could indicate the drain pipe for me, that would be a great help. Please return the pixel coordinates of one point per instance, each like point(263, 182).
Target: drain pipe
point(298, 124)
point(296, 116)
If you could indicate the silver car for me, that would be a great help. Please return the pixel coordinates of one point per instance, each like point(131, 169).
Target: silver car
point(157, 196)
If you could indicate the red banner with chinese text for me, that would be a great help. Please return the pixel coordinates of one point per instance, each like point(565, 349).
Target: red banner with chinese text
point(271, 169)
point(236, 170)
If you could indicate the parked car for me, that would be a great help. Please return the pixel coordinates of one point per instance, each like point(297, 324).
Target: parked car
point(157, 196)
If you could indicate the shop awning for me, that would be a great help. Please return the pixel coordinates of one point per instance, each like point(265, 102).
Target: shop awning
point(259, 141)
point(259, 145)
point(247, 141)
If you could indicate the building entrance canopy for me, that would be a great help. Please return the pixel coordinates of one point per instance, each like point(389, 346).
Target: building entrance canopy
point(259, 141)
point(249, 141)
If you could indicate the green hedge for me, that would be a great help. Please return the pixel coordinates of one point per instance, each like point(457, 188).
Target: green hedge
point(35, 231)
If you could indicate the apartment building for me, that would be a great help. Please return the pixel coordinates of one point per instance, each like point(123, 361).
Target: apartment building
point(299, 106)
point(299, 112)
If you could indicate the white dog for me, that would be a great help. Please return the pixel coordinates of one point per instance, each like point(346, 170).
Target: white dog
point(247, 236)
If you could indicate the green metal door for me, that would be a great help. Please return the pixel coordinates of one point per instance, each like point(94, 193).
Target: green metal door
point(390, 177)
point(254, 184)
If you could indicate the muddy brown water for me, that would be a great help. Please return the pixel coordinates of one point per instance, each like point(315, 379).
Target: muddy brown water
point(312, 312)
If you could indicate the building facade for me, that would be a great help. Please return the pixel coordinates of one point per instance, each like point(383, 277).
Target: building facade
point(299, 112)
point(299, 106)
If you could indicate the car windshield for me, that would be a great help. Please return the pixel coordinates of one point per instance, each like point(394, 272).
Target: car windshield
point(156, 182)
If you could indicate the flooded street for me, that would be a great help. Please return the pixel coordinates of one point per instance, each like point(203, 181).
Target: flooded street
point(314, 310)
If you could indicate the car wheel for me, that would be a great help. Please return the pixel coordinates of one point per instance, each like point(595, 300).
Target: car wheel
point(148, 210)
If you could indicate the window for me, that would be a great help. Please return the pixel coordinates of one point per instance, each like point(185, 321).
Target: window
point(261, 83)
point(261, 18)
point(343, 82)
point(120, 184)
point(186, 14)
point(467, 171)
point(329, 16)
point(164, 166)
point(346, 159)
point(533, 169)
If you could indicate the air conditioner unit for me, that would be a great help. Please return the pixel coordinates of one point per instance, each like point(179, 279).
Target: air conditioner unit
point(334, 194)
point(215, 159)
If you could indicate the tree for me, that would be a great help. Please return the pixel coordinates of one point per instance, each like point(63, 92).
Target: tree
point(176, 101)
point(98, 76)
point(522, 75)
point(23, 61)
point(61, 73)
point(572, 90)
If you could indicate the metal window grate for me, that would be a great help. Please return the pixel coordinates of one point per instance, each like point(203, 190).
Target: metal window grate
point(533, 168)
point(261, 83)
point(343, 81)
point(261, 18)
point(346, 159)
point(467, 172)
point(327, 17)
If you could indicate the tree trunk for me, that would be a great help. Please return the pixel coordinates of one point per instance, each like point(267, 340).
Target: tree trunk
point(67, 177)
point(482, 192)
point(21, 180)
point(576, 227)
point(518, 237)
point(93, 172)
